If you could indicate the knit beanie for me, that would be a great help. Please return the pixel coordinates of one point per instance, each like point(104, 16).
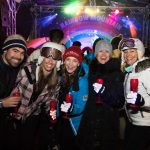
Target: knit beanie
point(137, 44)
point(87, 48)
point(103, 45)
point(73, 51)
point(15, 40)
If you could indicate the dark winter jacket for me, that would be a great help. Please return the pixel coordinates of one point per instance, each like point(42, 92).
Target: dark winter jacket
point(113, 81)
point(99, 125)
point(8, 76)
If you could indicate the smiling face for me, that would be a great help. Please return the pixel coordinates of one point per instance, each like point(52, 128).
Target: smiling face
point(14, 56)
point(130, 56)
point(71, 64)
point(48, 64)
point(103, 56)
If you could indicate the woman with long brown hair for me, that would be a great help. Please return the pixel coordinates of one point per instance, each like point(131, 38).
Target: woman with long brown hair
point(38, 85)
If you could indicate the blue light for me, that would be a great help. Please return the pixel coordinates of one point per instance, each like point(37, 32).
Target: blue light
point(45, 21)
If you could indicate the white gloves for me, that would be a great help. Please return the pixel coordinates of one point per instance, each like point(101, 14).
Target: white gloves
point(53, 114)
point(97, 87)
point(65, 107)
point(131, 97)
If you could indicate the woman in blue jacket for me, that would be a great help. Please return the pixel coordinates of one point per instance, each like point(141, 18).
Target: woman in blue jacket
point(74, 81)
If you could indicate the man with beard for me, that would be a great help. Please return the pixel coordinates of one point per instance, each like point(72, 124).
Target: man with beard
point(14, 49)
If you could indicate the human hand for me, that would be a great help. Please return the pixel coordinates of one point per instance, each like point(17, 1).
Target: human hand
point(131, 97)
point(98, 88)
point(135, 98)
point(53, 114)
point(65, 107)
point(11, 101)
point(55, 147)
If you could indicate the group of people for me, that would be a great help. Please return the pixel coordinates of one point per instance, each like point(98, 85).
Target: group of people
point(57, 101)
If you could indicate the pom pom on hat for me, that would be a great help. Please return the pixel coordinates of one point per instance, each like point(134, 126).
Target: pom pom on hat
point(87, 48)
point(15, 40)
point(73, 51)
point(103, 45)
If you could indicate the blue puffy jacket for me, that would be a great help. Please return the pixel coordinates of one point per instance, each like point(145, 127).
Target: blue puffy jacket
point(79, 100)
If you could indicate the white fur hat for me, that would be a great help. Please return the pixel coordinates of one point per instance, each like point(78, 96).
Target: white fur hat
point(59, 47)
point(138, 45)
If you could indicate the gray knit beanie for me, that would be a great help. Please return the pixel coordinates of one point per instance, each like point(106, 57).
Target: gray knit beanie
point(103, 45)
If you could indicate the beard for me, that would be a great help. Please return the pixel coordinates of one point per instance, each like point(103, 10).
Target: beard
point(14, 62)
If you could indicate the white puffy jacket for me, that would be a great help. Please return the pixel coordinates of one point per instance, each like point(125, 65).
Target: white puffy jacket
point(141, 71)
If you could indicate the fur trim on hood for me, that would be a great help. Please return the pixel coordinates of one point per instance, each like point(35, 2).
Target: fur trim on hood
point(142, 65)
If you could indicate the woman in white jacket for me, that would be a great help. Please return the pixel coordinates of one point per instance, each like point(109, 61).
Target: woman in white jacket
point(137, 106)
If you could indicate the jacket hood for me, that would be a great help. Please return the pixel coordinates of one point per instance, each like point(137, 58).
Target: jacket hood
point(142, 65)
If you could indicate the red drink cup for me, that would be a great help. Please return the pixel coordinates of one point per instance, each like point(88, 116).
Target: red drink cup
point(98, 99)
point(134, 84)
point(68, 100)
point(100, 81)
point(16, 94)
point(53, 105)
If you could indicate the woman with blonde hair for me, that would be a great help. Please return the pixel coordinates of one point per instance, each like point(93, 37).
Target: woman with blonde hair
point(38, 85)
point(137, 94)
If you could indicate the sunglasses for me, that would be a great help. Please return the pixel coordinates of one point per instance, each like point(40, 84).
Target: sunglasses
point(129, 43)
point(51, 52)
